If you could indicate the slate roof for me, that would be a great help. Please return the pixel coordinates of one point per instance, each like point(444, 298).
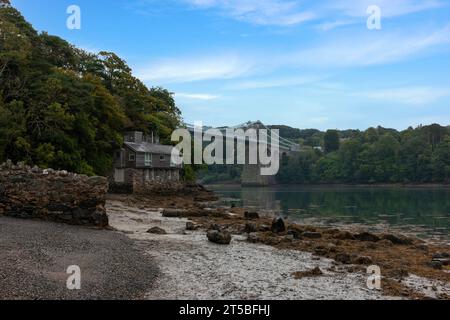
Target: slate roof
point(146, 147)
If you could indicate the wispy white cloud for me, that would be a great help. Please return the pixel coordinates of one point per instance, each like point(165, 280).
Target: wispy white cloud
point(375, 49)
point(197, 96)
point(330, 25)
point(407, 95)
point(329, 14)
point(188, 69)
point(259, 12)
point(360, 50)
point(273, 83)
point(339, 13)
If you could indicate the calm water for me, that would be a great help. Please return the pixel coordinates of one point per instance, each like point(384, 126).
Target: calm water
point(423, 211)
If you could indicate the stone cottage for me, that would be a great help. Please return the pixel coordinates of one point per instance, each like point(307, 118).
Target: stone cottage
point(143, 163)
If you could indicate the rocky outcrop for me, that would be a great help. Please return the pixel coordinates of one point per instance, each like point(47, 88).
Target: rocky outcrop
point(60, 196)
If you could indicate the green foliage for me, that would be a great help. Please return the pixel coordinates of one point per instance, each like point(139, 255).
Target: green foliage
point(331, 141)
point(66, 108)
point(188, 173)
point(380, 155)
point(377, 155)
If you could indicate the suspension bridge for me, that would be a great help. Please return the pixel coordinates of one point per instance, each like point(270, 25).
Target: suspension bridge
point(251, 173)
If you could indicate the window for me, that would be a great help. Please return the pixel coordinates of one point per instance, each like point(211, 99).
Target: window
point(132, 157)
point(162, 157)
point(148, 159)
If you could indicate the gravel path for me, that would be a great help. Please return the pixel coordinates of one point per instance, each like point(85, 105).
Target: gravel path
point(34, 257)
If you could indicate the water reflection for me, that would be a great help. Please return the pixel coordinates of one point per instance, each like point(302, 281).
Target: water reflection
point(427, 208)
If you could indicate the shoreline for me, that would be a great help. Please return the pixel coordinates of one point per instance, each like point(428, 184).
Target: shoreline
point(341, 258)
point(193, 268)
point(163, 239)
point(337, 185)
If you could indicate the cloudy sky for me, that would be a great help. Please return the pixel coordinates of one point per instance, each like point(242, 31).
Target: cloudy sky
point(304, 63)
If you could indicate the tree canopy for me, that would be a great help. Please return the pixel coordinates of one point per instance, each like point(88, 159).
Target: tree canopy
point(66, 108)
point(377, 155)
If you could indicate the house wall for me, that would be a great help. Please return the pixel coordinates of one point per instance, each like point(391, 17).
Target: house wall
point(135, 176)
point(122, 160)
point(146, 181)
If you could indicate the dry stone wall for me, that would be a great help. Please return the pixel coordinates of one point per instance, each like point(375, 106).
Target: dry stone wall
point(60, 196)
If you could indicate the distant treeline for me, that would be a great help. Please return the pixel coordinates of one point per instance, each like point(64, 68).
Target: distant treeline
point(66, 108)
point(377, 155)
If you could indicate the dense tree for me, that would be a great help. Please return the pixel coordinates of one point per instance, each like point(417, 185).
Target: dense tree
point(66, 108)
point(331, 141)
point(379, 155)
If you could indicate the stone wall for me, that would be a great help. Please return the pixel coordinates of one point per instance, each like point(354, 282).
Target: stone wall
point(148, 181)
point(33, 193)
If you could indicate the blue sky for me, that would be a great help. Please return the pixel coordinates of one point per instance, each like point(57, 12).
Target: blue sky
point(303, 63)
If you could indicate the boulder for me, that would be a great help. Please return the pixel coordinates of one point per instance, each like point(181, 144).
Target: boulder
point(435, 264)
point(157, 230)
point(278, 225)
point(399, 240)
point(368, 237)
point(174, 213)
point(219, 237)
